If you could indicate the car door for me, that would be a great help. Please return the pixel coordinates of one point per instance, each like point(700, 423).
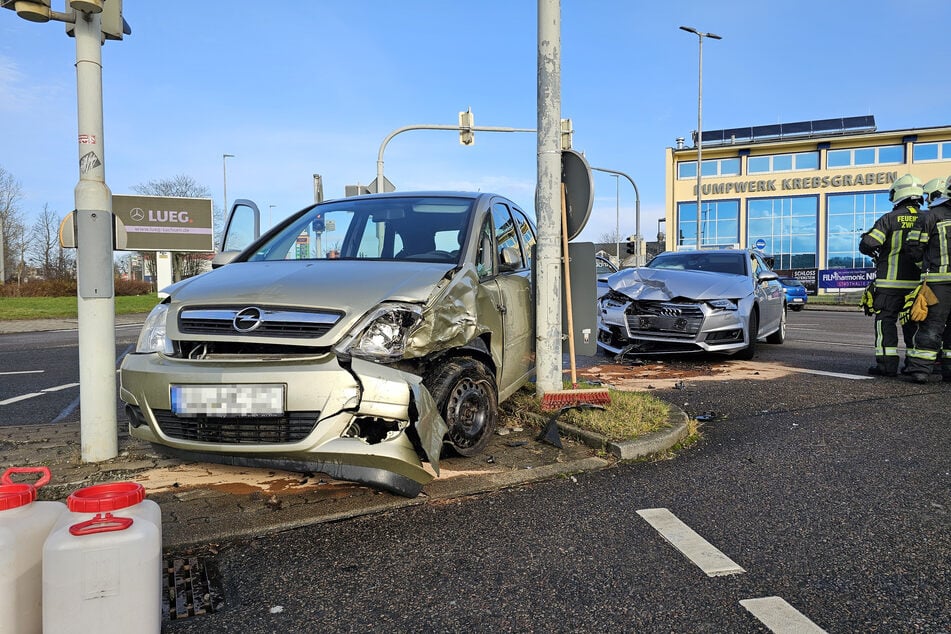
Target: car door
point(510, 285)
point(242, 227)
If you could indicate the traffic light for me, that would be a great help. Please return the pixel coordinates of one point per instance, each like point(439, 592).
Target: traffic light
point(632, 244)
point(466, 133)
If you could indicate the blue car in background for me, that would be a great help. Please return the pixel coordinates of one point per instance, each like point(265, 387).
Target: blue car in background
point(796, 296)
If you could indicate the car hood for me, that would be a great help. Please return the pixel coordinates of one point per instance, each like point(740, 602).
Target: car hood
point(667, 284)
point(349, 286)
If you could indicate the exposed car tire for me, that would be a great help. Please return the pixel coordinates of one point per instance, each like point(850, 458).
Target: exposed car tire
point(747, 353)
point(467, 398)
point(780, 335)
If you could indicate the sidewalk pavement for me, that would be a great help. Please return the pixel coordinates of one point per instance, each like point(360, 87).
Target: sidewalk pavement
point(206, 503)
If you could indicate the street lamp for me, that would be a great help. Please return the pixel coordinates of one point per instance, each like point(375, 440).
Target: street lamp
point(270, 218)
point(700, 35)
point(224, 170)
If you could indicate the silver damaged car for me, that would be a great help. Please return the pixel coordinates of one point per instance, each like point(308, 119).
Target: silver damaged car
point(693, 301)
point(360, 338)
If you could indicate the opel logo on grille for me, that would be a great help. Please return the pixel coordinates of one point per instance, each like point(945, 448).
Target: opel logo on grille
point(248, 319)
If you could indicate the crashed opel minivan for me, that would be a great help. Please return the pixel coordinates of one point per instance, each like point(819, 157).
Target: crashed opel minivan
point(360, 338)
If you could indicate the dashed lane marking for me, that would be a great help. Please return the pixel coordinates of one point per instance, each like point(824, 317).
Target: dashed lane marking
point(22, 372)
point(780, 617)
point(23, 397)
point(695, 548)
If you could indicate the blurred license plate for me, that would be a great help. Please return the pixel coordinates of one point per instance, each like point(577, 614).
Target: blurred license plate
point(228, 400)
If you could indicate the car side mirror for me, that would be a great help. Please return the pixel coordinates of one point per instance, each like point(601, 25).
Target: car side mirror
point(765, 276)
point(510, 259)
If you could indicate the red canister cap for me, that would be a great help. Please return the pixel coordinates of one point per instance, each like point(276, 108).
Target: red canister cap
point(16, 495)
point(102, 498)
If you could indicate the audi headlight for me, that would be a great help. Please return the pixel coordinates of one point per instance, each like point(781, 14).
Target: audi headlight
point(722, 304)
point(153, 337)
point(382, 334)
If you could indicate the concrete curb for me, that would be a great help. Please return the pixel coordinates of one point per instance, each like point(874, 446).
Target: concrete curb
point(646, 445)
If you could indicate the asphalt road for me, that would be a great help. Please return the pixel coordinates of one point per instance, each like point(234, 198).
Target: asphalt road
point(830, 490)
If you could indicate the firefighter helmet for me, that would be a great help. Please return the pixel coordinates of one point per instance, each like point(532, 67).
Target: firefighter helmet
point(936, 188)
point(905, 188)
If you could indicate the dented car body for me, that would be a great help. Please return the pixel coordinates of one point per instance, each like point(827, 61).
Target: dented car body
point(719, 301)
point(360, 338)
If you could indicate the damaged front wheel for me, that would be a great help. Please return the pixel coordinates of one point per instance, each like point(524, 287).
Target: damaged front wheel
point(464, 391)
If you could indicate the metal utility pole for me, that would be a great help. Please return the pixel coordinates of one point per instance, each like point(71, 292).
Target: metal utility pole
point(548, 331)
point(700, 35)
point(95, 292)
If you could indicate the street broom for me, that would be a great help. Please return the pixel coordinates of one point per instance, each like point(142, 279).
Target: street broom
point(560, 399)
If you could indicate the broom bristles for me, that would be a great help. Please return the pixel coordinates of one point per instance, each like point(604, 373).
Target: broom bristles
point(566, 398)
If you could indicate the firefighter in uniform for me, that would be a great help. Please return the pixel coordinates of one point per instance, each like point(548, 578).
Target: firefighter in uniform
point(930, 242)
point(896, 272)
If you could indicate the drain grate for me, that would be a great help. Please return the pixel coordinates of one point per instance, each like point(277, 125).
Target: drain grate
point(191, 587)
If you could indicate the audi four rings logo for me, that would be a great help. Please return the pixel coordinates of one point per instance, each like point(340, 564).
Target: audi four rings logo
point(248, 319)
point(670, 312)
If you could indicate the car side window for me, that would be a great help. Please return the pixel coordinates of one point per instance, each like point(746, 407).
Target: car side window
point(528, 234)
point(507, 234)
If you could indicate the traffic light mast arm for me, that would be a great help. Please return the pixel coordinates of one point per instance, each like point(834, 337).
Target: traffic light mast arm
point(426, 126)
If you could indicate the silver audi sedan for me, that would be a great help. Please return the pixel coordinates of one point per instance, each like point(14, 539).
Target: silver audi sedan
point(720, 301)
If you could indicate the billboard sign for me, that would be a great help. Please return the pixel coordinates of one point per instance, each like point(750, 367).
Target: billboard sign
point(158, 223)
point(845, 278)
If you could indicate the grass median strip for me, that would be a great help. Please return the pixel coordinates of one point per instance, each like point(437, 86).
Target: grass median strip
point(65, 307)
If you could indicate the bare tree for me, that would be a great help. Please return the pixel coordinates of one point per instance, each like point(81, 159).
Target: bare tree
point(181, 186)
point(51, 260)
point(12, 238)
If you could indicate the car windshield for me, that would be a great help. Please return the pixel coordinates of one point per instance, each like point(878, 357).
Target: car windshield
point(732, 263)
point(420, 228)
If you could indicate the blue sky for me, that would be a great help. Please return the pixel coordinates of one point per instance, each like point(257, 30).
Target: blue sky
point(294, 88)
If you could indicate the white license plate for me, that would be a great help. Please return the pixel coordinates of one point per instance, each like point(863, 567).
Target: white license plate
point(228, 400)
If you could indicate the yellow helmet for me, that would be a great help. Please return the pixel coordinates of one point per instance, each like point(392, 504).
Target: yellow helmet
point(905, 188)
point(936, 188)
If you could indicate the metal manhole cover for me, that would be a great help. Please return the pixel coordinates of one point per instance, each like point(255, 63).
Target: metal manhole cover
point(191, 587)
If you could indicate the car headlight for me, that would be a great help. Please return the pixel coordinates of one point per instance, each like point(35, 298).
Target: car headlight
point(722, 304)
point(153, 337)
point(382, 334)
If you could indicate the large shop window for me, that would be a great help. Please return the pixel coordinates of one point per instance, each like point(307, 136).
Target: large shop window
point(848, 217)
point(719, 224)
point(789, 226)
point(857, 157)
point(923, 152)
point(783, 162)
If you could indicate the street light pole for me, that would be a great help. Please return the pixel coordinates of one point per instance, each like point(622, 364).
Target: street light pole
point(617, 218)
point(224, 171)
point(637, 207)
point(700, 35)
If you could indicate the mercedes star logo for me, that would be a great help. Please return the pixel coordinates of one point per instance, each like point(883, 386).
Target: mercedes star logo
point(248, 319)
point(137, 214)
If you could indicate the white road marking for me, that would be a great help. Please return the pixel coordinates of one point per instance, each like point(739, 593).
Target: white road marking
point(695, 548)
point(780, 617)
point(838, 375)
point(22, 372)
point(23, 397)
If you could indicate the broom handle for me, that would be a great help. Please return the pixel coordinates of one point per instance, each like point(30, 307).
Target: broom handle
point(571, 321)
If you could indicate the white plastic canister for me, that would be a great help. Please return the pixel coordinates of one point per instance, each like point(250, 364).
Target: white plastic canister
point(102, 563)
point(24, 525)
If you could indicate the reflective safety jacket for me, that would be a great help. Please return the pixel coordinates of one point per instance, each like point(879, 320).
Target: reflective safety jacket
point(894, 268)
point(930, 242)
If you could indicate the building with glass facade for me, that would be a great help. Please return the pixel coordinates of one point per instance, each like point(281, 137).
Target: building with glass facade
point(801, 192)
